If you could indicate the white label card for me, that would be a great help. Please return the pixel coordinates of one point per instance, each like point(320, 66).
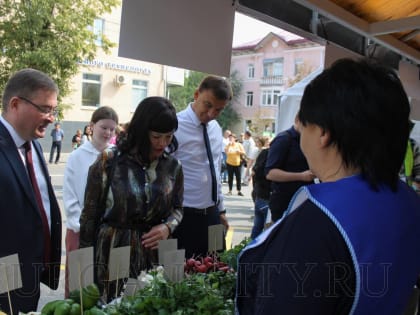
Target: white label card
point(119, 263)
point(81, 268)
point(166, 246)
point(173, 263)
point(216, 235)
point(10, 277)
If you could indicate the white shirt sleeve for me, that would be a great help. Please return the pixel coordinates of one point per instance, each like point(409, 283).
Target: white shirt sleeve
point(71, 192)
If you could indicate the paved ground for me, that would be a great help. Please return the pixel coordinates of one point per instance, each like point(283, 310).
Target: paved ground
point(239, 212)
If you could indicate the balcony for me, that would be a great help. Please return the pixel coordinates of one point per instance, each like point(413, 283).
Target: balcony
point(272, 80)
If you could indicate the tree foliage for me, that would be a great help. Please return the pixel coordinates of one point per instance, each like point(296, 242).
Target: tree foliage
point(181, 96)
point(229, 117)
point(303, 70)
point(49, 35)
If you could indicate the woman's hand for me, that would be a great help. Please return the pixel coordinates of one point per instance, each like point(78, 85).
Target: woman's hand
point(157, 233)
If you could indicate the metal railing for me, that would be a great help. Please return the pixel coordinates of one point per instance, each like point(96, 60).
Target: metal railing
point(272, 80)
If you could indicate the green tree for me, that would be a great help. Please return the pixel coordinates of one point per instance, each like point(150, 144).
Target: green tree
point(51, 36)
point(181, 96)
point(229, 117)
point(302, 71)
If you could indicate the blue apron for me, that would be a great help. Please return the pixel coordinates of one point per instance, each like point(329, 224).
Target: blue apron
point(381, 232)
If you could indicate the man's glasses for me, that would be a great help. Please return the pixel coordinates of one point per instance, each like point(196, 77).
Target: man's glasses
point(47, 110)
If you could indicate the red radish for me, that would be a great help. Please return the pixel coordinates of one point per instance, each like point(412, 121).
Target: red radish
point(224, 269)
point(191, 262)
point(208, 259)
point(201, 268)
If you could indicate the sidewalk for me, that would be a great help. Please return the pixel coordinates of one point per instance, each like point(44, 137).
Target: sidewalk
point(238, 211)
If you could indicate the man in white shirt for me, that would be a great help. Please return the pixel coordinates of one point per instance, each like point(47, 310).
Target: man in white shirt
point(203, 204)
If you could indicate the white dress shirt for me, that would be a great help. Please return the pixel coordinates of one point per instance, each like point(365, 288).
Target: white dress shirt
point(193, 157)
point(75, 179)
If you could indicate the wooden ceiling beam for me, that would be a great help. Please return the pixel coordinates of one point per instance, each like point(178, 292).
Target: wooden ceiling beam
point(394, 26)
point(358, 25)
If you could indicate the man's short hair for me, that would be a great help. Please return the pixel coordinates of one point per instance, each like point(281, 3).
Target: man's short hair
point(220, 87)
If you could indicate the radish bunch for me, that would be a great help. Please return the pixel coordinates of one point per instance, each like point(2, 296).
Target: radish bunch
point(205, 265)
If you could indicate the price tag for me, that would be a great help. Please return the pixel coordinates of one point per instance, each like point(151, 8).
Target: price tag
point(81, 268)
point(165, 246)
point(119, 263)
point(173, 262)
point(216, 235)
point(10, 278)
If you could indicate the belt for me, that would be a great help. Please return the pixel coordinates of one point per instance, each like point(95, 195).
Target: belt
point(203, 211)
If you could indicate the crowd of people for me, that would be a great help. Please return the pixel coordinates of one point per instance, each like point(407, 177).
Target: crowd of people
point(327, 193)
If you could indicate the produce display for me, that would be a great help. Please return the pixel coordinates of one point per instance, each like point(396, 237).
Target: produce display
point(207, 289)
point(198, 293)
point(89, 298)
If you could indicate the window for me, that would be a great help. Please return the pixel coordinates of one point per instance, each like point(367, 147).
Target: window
point(91, 89)
point(251, 71)
point(139, 93)
point(249, 99)
point(273, 67)
point(298, 65)
point(98, 30)
point(270, 97)
point(266, 97)
point(276, 97)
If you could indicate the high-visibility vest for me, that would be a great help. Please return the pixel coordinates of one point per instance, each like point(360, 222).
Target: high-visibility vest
point(408, 164)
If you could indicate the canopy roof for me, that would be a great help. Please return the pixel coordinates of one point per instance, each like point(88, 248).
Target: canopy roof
point(388, 30)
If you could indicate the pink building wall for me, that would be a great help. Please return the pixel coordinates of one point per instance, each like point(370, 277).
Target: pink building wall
point(261, 117)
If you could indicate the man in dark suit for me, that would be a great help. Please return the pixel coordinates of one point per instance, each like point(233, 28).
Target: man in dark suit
point(30, 219)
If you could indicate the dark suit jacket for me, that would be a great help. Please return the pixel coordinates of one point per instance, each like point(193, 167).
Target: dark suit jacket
point(21, 227)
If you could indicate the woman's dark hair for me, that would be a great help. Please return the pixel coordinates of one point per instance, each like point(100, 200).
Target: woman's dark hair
point(152, 114)
point(85, 131)
point(365, 109)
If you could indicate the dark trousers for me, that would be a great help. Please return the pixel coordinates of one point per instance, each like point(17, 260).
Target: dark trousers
point(279, 201)
point(192, 232)
point(260, 216)
point(224, 173)
point(231, 171)
point(55, 144)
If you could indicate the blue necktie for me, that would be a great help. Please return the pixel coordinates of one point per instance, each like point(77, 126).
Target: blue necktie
point(211, 163)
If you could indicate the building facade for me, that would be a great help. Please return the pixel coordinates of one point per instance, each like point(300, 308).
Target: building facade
point(266, 68)
point(110, 80)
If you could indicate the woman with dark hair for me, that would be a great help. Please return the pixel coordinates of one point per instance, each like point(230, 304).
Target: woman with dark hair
point(134, 193)
point(349, 245)
point(87, 134)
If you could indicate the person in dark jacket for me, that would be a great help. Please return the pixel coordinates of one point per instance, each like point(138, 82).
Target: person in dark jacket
point(143, 196)
point(287, 169)
point(348, 245)
point(261, 187)
point(30, 219)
